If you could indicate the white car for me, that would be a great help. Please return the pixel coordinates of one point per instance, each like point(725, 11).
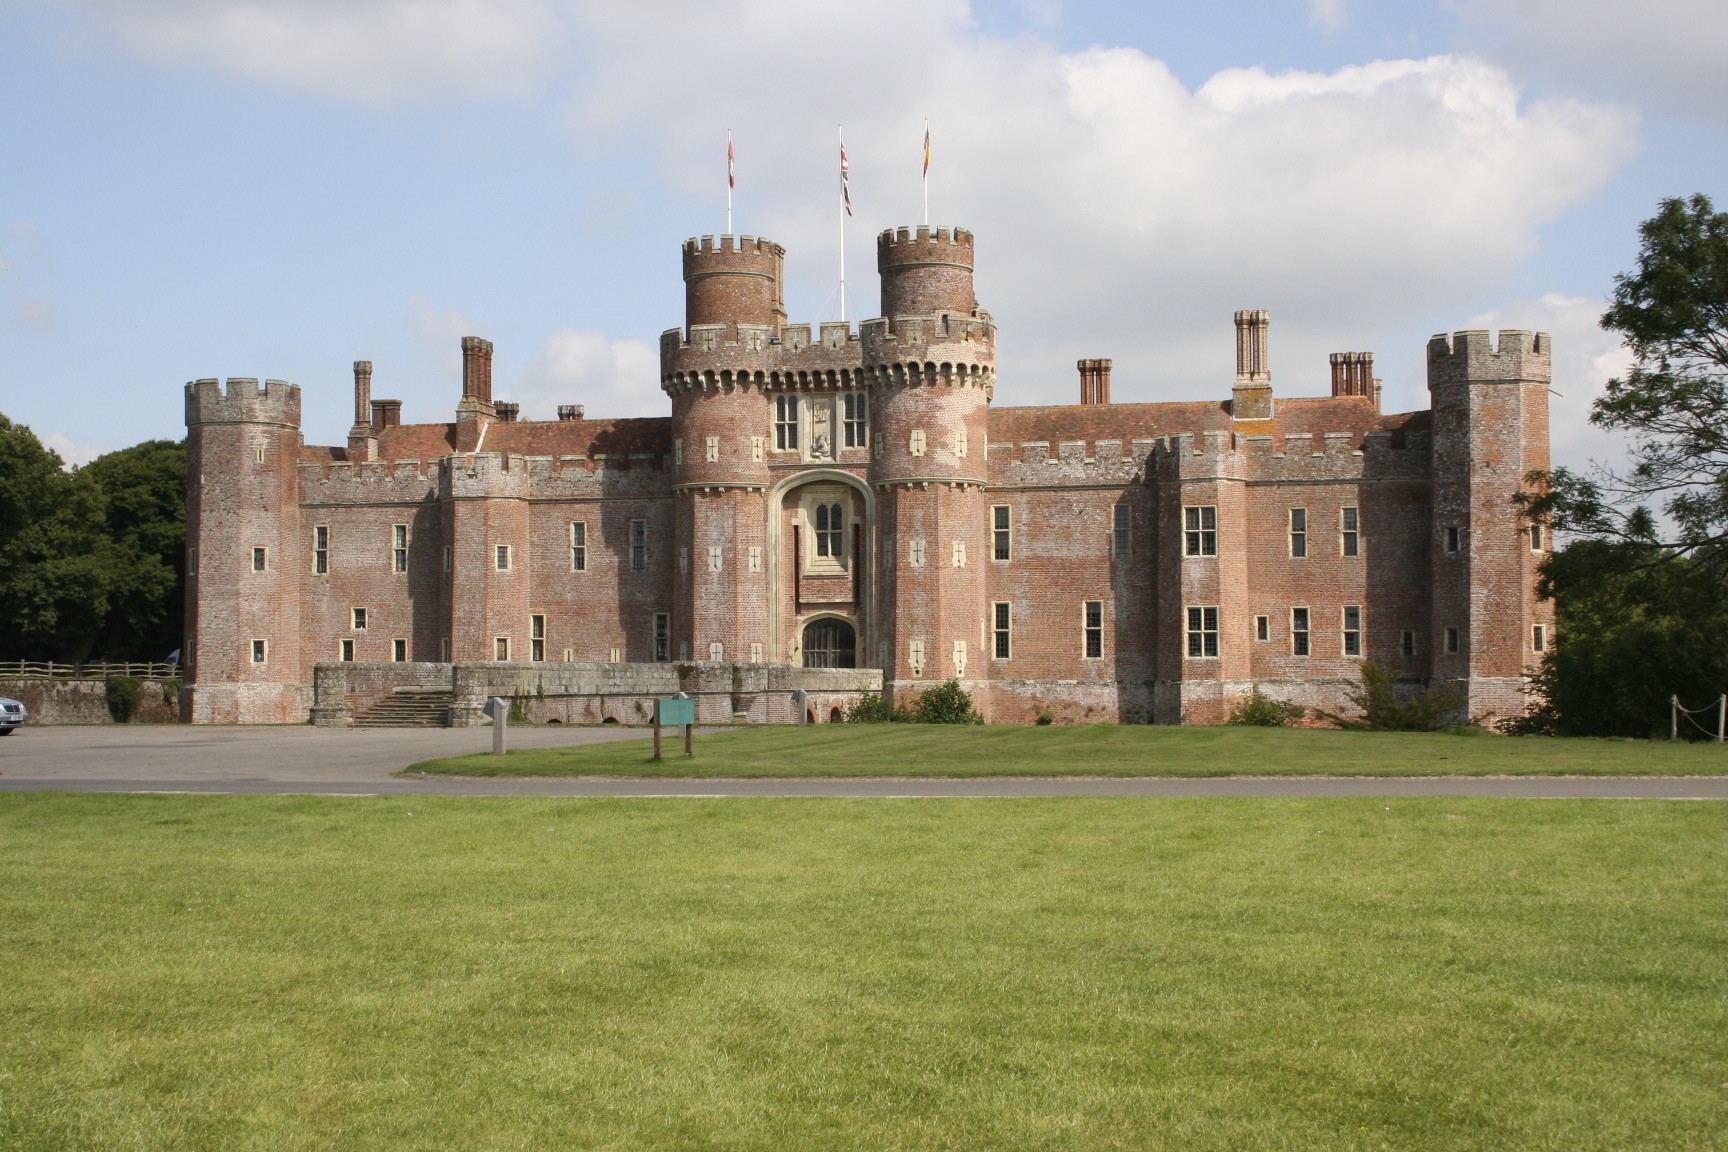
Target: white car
point(12, 714)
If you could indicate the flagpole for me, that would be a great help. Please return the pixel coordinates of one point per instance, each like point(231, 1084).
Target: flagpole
point(729, 182)
point(926, 171)
point(842, 137)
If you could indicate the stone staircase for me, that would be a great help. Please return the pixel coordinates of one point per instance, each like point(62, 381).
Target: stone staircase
point(408, 708)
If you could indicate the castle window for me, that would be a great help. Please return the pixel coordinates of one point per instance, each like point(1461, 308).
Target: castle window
point(714, 557)
point(1200, 524)
point(1299, 532)
point(678, 451)
point(916, 444)
point(1353, 630)
point(347, 651)
point(359, 619)
point(1350, 540)
point(959, 553)
point(446, 557)
point(1452, 538)
point(960, 442)
point(579, 546)
point(617, 656)
point(260, 651)
point(683, 561)
point(1452, 641)
point(1536, 537)
point(399, 651)
point(716, 651)
point(855, 420)
point(259, 556)
point(501, 557)
point(683, 649)
point(999, 614)
point(755, 558)
point(638, 545)
point(1262, 628)
point(1121, 532)
point(917, 558)
point(786, 423)
point(1538, 638)
point(536, 638)
point(662, 637)
point(321, 550)
point(713, 449)
point(1092, 629)
point(756, 449)
point(444, 649)
point(1298, 631)
point(501, 648)
point(399, 548)
point(1202, 633)
point(830, 522)
point(258, 454)
point(1407, 642)
point(1000, 534)
point(888, 553)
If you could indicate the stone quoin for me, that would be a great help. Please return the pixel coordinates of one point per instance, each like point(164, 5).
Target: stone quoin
point(847, 497)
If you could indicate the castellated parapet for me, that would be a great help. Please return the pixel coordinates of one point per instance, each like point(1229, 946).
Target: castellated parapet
point(845, 496)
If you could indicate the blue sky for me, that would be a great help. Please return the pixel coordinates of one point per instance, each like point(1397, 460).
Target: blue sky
point(258, 188)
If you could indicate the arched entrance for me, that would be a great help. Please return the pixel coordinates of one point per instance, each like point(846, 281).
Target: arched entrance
point(830, 643)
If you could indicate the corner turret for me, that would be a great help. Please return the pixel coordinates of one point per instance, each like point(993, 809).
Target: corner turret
point(734, 281)
point(926, 271)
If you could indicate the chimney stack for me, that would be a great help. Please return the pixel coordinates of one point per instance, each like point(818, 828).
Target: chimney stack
point(569, 411)
point(1094, 381)
point(1251, 399)
point(1353, 374)
point(477, 369)
point(386, 413)
point(507, 411)
point(362, 391)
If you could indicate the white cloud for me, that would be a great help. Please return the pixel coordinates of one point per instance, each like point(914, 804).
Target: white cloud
point(609, 377)
point(72, 454)
point(1118, 212)
point(1585, 358)
point(373, 50)
point(1327, 14)
point(1666, 54)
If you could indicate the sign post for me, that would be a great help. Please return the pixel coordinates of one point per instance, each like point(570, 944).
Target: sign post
point(675, 710)
point(499, 709)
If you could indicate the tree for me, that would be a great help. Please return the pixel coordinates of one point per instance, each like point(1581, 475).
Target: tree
point(1379, 709)
point(1673, 313)
point(144, 490)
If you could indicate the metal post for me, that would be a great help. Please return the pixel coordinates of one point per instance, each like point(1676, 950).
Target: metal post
point(688, 729)
point(500, 722)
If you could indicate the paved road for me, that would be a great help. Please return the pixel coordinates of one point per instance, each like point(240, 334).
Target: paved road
point(302, 760)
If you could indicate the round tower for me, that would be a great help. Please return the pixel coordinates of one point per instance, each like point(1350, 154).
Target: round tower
point(734, 281)
point(930, 361)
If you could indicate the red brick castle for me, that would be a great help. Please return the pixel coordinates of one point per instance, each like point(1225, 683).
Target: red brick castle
point(844, 498)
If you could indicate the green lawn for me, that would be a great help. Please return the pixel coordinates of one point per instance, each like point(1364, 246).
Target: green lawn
point(298, 972)
point(1098, 750)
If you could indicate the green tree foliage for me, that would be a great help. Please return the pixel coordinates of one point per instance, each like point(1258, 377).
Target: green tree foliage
point(1379, 708)
point(1636, 624)
point(1673, 313)
point(90, 559)
point(1262, 711)
point(122, 693)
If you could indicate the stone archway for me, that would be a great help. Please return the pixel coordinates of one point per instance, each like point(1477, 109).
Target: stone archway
point(830, 642)
point(786, 629)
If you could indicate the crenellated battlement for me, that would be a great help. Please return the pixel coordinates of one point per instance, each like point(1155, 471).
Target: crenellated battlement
point(1476, 355)
point(921, 244)
point(926, 271)
point(244, 401)
point(700, 247)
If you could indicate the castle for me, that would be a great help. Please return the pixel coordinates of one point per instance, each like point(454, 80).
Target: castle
point(849, 499)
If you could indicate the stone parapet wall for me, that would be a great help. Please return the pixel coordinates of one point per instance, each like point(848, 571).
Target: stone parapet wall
point(86, 701)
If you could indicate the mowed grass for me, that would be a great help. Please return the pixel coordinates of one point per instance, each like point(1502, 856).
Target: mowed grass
point(1096, 750)
point(297, 973)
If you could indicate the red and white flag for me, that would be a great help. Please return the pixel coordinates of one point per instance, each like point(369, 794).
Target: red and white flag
point(731, 172)
point(845, 179)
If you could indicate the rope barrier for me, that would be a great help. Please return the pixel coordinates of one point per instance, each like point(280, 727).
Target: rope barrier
point(1720, 707)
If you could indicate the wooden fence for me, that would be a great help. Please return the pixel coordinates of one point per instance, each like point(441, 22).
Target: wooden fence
point(40, 670)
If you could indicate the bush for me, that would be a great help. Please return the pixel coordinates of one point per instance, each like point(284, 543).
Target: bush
point(1262, 711)
point(1381, 711)
point(122, 695)
point(871, 708)
point(1046, 718)
point(947, 703)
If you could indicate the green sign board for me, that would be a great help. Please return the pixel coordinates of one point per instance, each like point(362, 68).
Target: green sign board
point(675, 711)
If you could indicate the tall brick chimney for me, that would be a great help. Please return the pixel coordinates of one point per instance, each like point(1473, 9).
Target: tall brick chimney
point(1353, 374)
point(1251, 399)
point(1094, 381)
point(386, 413)
point(477, 368)
point(363, 436)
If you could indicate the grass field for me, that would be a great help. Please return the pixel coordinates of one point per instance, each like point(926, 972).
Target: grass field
point(296, 973)
point(1098, 750)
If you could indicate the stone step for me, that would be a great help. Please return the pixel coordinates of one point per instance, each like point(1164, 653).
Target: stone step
point(413, 707)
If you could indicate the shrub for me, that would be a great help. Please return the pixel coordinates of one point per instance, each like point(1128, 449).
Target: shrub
point(1377, 700)
point(122, 695)
point(1262, 711)
point(947, 703)
point(1046, 718)
point(871, 708)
